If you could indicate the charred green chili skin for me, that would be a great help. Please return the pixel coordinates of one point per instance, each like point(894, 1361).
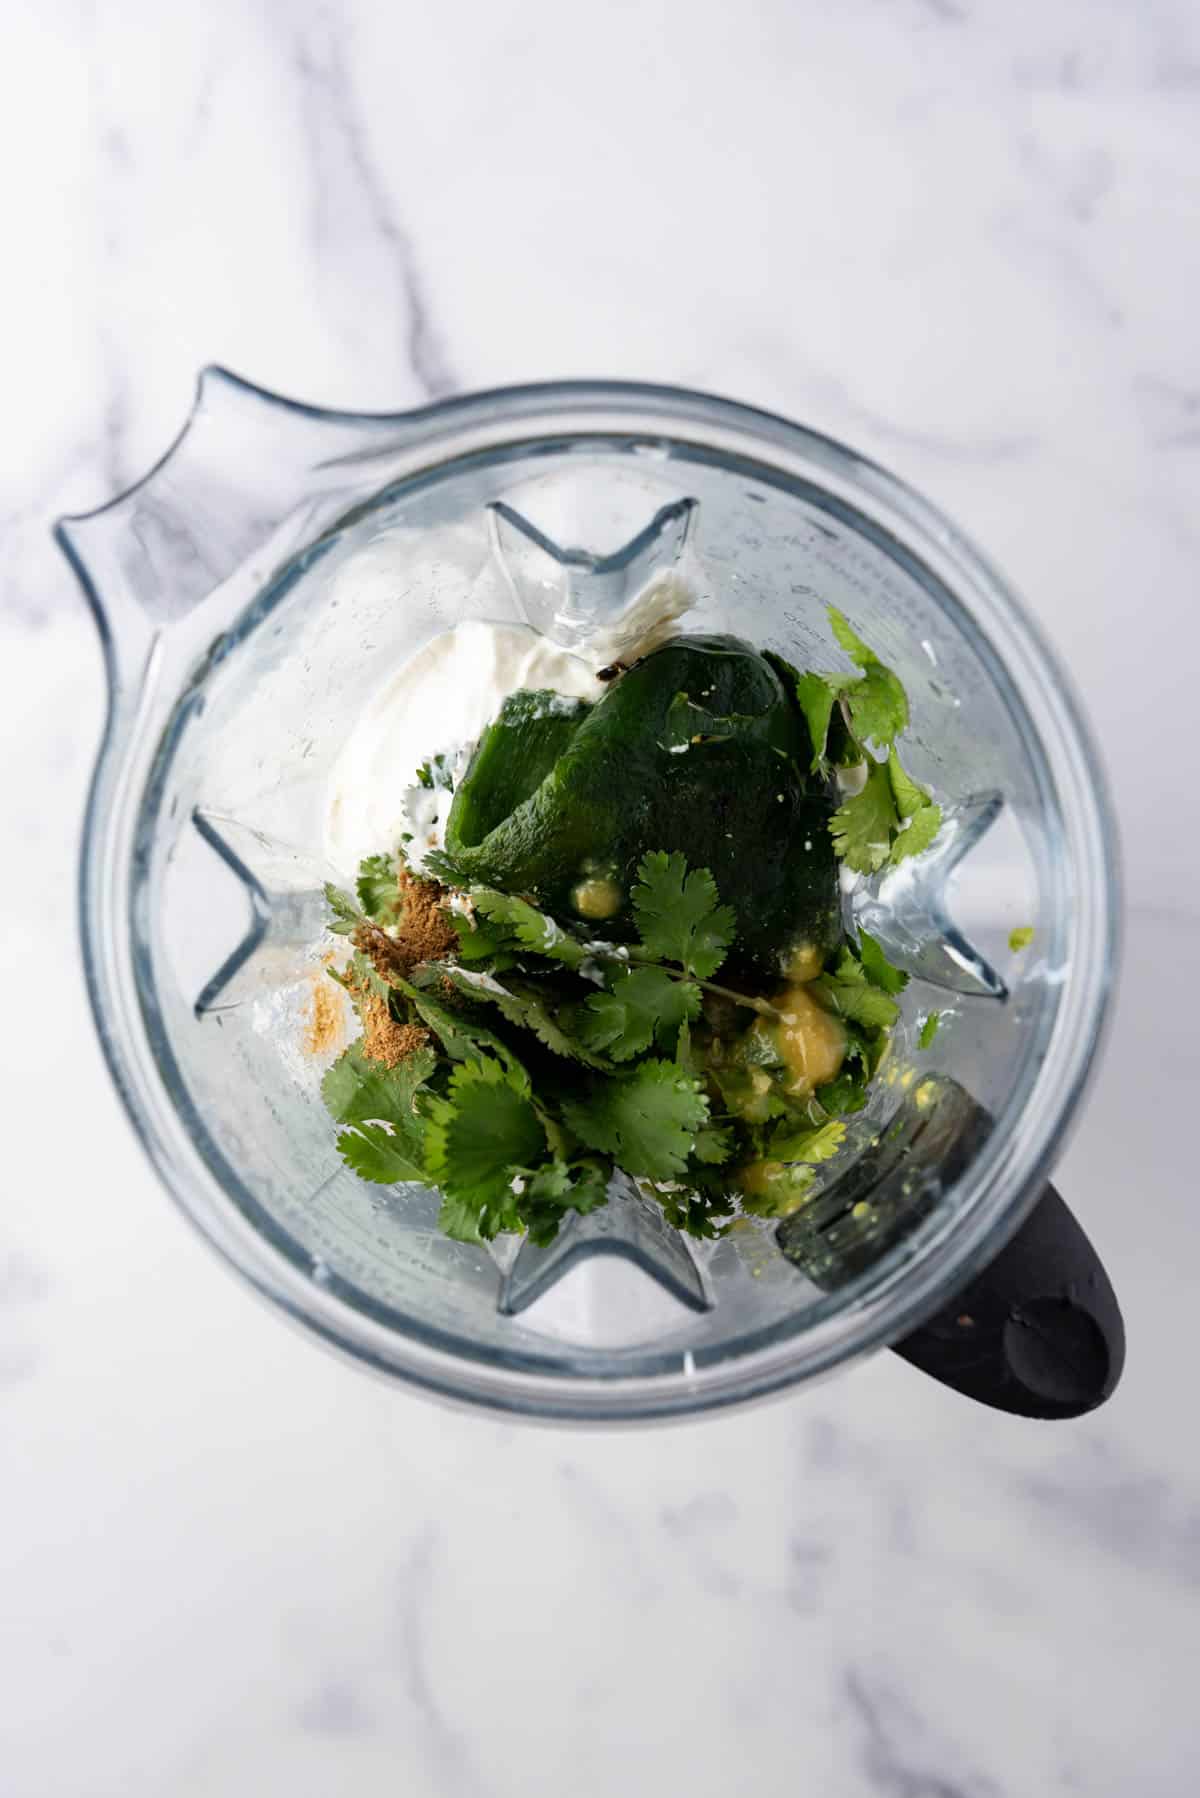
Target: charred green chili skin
point(699, 748)
point(514, 755)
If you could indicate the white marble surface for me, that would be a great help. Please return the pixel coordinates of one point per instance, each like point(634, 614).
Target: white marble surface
point(964, 236)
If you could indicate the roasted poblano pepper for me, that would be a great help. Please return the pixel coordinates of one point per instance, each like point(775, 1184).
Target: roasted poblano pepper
point(699, 748)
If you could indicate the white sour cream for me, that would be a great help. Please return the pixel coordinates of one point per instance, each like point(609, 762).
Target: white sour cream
point(437, 703)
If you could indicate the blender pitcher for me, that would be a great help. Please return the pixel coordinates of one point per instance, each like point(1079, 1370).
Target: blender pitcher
point(256, 588)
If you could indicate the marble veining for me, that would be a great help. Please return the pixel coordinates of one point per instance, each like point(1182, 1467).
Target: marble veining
point(893, 1754)
point(966, 239)
point(341, 170)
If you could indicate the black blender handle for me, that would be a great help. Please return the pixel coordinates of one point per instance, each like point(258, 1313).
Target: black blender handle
point(1038, 1332)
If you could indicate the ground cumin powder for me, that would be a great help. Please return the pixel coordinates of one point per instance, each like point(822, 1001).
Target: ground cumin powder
point(326, 1018)
point(424, 933)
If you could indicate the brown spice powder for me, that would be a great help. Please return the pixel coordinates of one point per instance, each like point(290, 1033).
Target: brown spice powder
point(326, 1018)
point(383, 1038)
point(424, 932)
point(425, 925)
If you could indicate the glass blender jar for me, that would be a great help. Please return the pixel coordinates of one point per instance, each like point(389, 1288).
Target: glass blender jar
point(253, 590)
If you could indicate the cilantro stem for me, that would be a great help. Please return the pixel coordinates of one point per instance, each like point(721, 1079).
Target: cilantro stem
point(763, 1006)
point(848, 720)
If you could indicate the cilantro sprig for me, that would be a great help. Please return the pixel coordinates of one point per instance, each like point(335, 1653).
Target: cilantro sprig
point(385, 1136)
point(679, 916)
point(853, 721)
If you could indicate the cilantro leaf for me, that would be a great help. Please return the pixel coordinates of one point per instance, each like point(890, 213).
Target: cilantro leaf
point(863, 825)
point(477, 1139)
point(385, 1142)
point(346, 915)
point(462, 1037)
point(878, 706)
point(525, 924)
point(877, 700)
point(371, 1153)
point(909, 795)
point(524, 1004)
point(642, 1006)
point(647, 1119)
point(460, 1216)
point(776, 1188)
point(817, 696)
point(378, 888)
point(558, 1187)
point(846, 1094)
point(481, 940)
point(876, 966)
point(923, 826)
point(695, 1212)
point(847, 966)
point(519, 1001)
point(714, 1145)
point(893, 816)
point(1020, 938)
point(678, 914)
point(846, 991)
point(809, 1146)
point(849, 639)
point(929, 1029)
point(864, 1004)
point(356, 1088)
point(867, 1045)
